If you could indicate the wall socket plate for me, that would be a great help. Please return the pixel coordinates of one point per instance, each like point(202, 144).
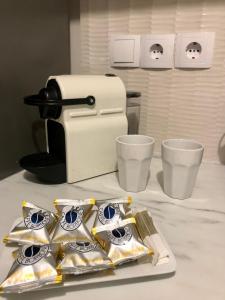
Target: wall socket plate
point(157, 51)
point(124, 50)
point(194, 50)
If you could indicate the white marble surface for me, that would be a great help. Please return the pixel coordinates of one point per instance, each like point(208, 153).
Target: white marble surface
point(194, 229)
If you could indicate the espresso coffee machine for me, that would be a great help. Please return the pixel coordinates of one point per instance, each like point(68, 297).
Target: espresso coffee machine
point(83, 116)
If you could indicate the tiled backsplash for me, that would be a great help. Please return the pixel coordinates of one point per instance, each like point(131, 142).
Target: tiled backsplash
point(175, 103)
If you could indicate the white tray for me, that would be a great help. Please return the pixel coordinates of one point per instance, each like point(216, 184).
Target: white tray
point(127, 272)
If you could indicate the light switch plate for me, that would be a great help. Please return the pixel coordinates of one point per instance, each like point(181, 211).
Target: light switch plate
point(194, 50)
point(157, 51)
point(125, 50)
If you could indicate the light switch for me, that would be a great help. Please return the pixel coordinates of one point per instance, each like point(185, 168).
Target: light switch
point(125, 50)
point(194, 50)
point(157, 51)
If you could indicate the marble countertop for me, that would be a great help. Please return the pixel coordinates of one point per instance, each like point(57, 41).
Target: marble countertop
point(194, 229)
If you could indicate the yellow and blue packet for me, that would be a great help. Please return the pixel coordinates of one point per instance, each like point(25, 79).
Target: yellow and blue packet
point(35, 227)
point(83, 257)
point(111, 210)
point(34, 267)
point(71, 224)
point(121, 241)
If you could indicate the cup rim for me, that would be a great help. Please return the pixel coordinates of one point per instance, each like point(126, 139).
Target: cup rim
point(151, 139)
point(200, 147)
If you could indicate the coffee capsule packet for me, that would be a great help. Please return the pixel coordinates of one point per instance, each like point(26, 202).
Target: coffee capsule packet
point(71, 226)
point(34, 228)
point(121, 241)
point(111, 210)
point(34, 267)
point(83, 257)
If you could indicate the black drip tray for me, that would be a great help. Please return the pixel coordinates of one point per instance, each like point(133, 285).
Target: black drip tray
point(45, 166)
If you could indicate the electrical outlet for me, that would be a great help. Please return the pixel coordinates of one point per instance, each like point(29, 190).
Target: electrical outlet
point(125, 50)
point(194, 50)
point(157, 51)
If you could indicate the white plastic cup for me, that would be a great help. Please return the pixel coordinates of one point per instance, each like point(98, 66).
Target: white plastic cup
point(134, 154)
point(181, 159)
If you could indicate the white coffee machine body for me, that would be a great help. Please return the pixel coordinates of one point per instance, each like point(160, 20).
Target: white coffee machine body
point(90, 130)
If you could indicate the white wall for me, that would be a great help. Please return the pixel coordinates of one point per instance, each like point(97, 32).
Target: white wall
point(175, 103)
